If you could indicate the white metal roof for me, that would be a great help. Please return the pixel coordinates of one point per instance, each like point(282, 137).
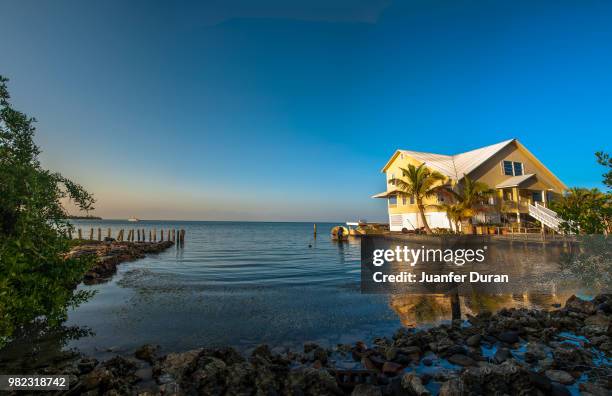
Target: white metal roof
point(458, 165)
point(385, 194)
point(514, 181)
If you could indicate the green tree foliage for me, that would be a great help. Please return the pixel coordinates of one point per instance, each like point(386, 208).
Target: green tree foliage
point(584, 211)
point(36, 281)
point(469, 198)
point(605, 160)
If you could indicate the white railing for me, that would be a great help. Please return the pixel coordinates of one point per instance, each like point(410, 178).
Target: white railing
point(544, 215)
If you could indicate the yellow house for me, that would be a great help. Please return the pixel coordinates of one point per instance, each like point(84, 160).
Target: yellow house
point(524, 185)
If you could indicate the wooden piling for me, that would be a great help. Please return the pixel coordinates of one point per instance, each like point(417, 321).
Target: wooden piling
point(150, 235)
point(315, 230)
point(154, 234)
point(69, 233)
point(99, 234)
point(80, 234)
point(161, 236)
point(108, 233)
point(91, 234)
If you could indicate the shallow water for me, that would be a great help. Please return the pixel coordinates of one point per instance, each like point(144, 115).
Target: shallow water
point(242, 284)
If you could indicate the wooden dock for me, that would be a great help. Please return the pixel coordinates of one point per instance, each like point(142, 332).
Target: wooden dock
point(132, 235)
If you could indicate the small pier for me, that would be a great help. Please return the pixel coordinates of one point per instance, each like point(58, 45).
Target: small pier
point(130, 235)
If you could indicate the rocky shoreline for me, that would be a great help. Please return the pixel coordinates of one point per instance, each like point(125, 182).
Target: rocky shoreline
point(515, 351)
point(112, 253)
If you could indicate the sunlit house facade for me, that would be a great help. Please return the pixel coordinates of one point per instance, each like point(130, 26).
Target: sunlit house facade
point(520, 180)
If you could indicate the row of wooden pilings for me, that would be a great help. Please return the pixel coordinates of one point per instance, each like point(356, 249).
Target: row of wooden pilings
point(135, 235)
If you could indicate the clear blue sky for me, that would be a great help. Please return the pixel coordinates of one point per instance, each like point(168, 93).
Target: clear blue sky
point(287, 110)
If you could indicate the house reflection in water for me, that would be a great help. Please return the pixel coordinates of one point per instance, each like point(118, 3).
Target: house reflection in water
point(415, 310)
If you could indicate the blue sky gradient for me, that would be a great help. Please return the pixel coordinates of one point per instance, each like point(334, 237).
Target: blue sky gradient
point(276, 110)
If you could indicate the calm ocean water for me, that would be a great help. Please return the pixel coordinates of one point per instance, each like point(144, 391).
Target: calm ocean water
point(242, 284)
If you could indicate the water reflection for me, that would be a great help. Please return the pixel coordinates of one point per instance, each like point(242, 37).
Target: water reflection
point(40, 346)
point(416, 310)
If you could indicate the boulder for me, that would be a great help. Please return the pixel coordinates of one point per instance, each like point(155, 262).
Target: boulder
point(413, 384)
point(560, 376)
point(509, 337)
point(366, 390)
point(576, 304)
point(462, 360)
point(147, 352)
point(473, 340)
point(452, 387)
point(392, 369)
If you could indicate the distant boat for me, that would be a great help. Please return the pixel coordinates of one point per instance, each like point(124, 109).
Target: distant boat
point(133, 219)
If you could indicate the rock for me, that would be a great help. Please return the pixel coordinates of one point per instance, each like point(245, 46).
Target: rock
point(595, 390)
point(534, 352)
point(310, 346)
point(147, 352)
point(540, 381)
point(412, 383)
point(576, 304)
point(309, 382)
point(86, 365)
point(210, 378)
point(366, 390)
point(412, 352)
point(559, 390)
point(320, 354)
point(462, 360)
point(501, 355)
point(473, 340)
point(597, 320)
point(369, 365)
point(240, 379)
point(563, 377)
point(392, 369)
point(391, 353)
point(456, 350)
point(99, 378)
point(453, 387)
point(175, 364)
point(509, 337)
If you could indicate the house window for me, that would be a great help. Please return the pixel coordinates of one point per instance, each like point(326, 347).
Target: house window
point(440, 198)
point(512, 168)
point(518, 169)
point(403, 200)
point(537, 196)
point(508, 171)
point(392, 200)
point(491, 200)
point(412, 200)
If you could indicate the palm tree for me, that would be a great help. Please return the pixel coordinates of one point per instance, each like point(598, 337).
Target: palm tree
point(454, 212)
point(469, 197)
point(419, 182)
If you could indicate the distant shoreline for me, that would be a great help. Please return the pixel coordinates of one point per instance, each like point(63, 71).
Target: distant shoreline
point(84, 218)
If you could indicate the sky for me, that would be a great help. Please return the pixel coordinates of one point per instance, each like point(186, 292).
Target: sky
point(287, 110)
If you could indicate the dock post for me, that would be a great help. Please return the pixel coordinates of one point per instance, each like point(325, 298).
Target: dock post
point(69, 233)
point(173, 235)
point(99, 234)
point(154, 234)
point(150, 235)
point(108, 232)
point(162, 235)
point(91, 234)
point(315, 230)
point(80, 234)
point(138, 234)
